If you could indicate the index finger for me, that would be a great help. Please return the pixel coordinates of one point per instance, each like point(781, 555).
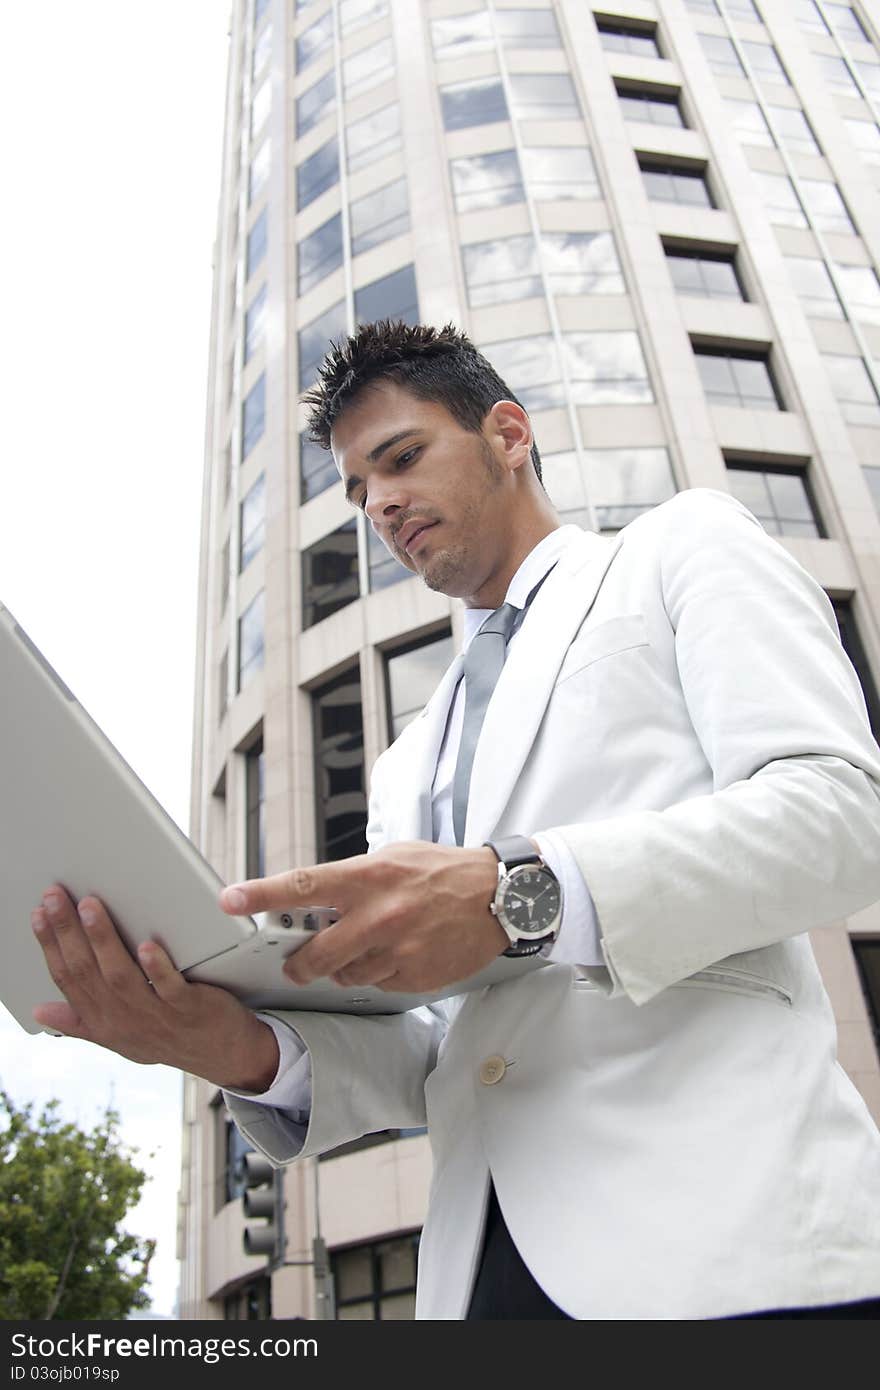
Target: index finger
point(322, 885)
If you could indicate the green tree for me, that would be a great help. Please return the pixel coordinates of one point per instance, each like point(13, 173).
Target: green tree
point(63, 1193)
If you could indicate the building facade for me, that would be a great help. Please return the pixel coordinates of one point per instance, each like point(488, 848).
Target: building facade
point(660, 220)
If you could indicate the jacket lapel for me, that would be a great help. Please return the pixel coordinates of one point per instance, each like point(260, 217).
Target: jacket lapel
point(520, 698)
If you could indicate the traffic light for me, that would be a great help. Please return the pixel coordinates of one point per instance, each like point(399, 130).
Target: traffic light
point(263, 1198)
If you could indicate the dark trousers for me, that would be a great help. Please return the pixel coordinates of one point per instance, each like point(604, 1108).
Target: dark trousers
point(504, 1288)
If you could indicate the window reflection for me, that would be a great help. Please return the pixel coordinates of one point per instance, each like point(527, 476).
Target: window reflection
point(473, 103)
point(607, 368)
point(319, 254)
point(317, 173)
point(379, 216)
point(373, 137)
point(486, 180)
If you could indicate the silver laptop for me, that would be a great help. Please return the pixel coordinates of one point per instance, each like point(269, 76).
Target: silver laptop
point(73, 812)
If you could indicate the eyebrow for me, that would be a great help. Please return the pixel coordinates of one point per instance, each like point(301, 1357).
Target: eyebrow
point(375, 454)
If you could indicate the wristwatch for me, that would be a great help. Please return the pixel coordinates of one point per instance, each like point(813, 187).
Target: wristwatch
point(528, 898)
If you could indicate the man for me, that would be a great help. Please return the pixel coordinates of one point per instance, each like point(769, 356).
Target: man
point(673, 781)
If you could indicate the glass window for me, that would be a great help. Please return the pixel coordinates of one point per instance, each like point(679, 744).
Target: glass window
point(530, 368)
point(260, 107)
point(383, 567)
point(355, 13)
point(317, 173)
point(367, 68)
point(411, 676)
point(262, 50)
point(808, 17)
point(853, 388)
point(317, 471)
point(560, 171)
point(850, 640)
point(486, 180)
point(872, 478)
point(607, 368)
point(315, 338)
point(825, 206)
point(708, 7)
point(623, 483)
point(253, 416)
point(861, 289)
point(737, 379)
point(814, 287)
point(473, 103)
point(258, 173)
point(865, 950)
point(319, 254)
point(650, 107)
point(393, 297)
point(379, 216)
point(330, 574)
point(676, 186)
point(255, 323)
point(251, 647)
point(743, 9)
point(260, 8)
point(315, 104)
point(780, 200)
point(721, 55)
point(253, 523)
point(257, 242)
point(224, 575)
point(543, 96)
point(764, 61)
point(500, 270)
point(373, 137)
point(340, 781)
point(223, 688)
point(795, 129)
point(870, 75)
point(527, 28)
point(461, 33)
point(778, 497)
point(620, 38)
point(836, 73)
point(705, 274)
point(748, 123)
point(255, 803)
point(866, 138)
point(314, 41)
point(376, 1281)
point(582, 263)
point(846, 23)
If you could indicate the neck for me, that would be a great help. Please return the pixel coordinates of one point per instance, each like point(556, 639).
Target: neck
point(492, 591)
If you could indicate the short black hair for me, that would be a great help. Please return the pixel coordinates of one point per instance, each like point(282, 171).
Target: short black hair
point(434, 364)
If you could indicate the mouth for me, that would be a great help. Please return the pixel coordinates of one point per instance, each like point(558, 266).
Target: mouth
point(413, 540)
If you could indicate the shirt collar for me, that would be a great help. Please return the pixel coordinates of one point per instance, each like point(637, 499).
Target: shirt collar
point(533, 568)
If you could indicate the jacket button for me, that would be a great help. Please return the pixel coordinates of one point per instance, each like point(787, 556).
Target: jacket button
point(492, 1070)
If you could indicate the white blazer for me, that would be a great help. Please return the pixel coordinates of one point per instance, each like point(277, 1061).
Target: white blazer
point(671, 1136)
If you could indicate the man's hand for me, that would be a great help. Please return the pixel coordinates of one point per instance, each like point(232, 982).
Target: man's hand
point(145, 1010)
point(414, 916)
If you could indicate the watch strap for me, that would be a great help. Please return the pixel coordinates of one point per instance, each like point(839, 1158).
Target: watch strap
point(513, 850)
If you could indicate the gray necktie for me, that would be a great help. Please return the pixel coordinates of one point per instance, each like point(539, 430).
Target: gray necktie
point(483, 662)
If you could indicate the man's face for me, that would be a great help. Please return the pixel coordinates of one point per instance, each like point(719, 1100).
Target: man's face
point(436, 494)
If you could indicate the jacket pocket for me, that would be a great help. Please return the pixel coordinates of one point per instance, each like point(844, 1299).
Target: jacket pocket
point(616, 635)
point(736, 982)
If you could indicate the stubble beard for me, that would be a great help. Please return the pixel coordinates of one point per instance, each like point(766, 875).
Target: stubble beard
point(451, 570)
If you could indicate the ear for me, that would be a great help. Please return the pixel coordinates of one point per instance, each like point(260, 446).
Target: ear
point(509, 429)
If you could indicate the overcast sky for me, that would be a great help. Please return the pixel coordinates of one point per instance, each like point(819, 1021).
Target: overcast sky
point(113, 119)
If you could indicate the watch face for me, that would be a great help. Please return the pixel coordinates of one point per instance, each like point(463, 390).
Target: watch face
point(530, 901)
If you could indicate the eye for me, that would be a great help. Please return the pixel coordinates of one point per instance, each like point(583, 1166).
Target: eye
point(406, 458)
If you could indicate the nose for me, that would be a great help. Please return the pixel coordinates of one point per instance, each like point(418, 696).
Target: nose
point(385, 498)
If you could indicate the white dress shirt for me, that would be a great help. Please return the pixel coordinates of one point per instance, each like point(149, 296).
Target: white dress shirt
point(577, 942)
